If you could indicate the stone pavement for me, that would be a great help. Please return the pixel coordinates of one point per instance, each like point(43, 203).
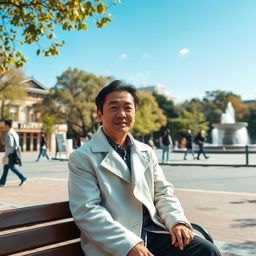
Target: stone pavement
point(229, 217)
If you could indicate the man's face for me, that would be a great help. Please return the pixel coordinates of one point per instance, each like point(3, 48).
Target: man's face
point(6, 127)
point(118, 115)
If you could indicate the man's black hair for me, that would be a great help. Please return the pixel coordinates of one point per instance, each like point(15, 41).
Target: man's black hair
point(8, 122)
point(116, 86)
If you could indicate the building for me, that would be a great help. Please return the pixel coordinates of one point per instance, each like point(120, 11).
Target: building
point(159, 89)
point(25, 121)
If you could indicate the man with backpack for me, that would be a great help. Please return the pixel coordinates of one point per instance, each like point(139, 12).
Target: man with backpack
point(166, 145)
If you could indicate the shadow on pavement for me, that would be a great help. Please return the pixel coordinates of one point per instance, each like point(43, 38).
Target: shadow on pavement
point(243, 202)
point(243, 223)
point(247, 248)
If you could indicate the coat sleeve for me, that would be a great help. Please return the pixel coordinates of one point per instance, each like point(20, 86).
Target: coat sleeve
point(95, 222)
point(9, 143)
point(167, 204)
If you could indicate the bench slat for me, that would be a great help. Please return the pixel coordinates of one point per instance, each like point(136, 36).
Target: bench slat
point(38, 237)
point(73, 249)
point(34, 215)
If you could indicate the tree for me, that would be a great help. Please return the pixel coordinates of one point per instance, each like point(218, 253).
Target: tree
point(193, 120)
point(217, 100)
point(48, 123)
point(71, 100)
point(166, 105)
point(214, 104)
point(12, 88)
point(33, 21)
point(149, 117)
point(251, 119)
point(241, 109)
point(196, 121)
point(217, 96)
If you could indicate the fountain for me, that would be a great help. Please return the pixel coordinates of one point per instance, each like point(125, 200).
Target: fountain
point(229, 132)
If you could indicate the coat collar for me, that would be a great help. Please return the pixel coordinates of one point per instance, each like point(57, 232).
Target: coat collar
point(101, 144)
point(114, 163)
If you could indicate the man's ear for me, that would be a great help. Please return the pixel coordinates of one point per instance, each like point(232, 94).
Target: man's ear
point(99, 115)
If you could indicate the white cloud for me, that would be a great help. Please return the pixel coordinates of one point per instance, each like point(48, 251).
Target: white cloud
point(138, 79)
point(123, 56)
point(146, 55)
point(184, 51)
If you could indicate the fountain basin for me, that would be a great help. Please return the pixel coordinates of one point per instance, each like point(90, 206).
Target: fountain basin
point(230, 126)
point(230, 131)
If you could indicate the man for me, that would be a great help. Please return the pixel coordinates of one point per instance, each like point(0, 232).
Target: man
point(118, 194)
point(167, 143)
point(43, 146)
point(200, 140)
point(11, 142)
point(189, 144)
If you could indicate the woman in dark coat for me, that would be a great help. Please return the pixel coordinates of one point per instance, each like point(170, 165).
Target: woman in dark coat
point(189, 144)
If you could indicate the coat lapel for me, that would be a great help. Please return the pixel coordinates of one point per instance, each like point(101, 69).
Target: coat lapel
point(112, 161)
point(140, 163)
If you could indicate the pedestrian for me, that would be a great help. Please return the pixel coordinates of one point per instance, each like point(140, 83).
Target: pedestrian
point(118, 195)
point(166, 145)
point(200, 141)
point(89, 136)
point(43, 148)
point(11, 143)
point(189, 144)
point(151, 142)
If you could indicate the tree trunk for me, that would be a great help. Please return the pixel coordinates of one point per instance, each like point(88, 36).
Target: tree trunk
point(2, 110)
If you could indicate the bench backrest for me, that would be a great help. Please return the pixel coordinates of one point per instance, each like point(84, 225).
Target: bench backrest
point(31, 228)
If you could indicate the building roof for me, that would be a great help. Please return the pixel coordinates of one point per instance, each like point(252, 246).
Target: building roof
point(35, 86)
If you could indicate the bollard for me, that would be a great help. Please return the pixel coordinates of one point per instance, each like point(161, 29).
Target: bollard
point(246, 155)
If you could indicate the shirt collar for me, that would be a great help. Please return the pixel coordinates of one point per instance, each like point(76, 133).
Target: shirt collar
point(116, 145)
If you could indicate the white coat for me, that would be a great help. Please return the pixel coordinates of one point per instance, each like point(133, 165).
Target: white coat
point(106, 199)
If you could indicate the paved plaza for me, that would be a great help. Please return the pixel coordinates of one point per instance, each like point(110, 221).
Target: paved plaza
point(221, 199)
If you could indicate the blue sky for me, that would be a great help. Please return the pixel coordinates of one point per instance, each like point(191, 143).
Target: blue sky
point(186, 46)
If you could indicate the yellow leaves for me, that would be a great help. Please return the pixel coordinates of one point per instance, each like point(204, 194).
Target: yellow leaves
point(51, 36)
point(42, 30)
point(101, 8)
point(36, 21)
point(82, 26)
point(104, 21)
point(11, 61)
point(88, 8)
point(65, 24)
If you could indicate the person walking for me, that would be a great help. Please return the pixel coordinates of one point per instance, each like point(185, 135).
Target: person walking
point(118, 194)
point(11, 143)
point(166, 145)
point(43, 147)
point(189, 144)
point(200, 140)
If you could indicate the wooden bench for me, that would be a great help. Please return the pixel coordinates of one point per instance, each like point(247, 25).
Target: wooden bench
point(38, 227)
point(35, 227)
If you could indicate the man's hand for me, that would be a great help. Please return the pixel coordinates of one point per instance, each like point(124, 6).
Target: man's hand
point(181, 235)
point(139, 250)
